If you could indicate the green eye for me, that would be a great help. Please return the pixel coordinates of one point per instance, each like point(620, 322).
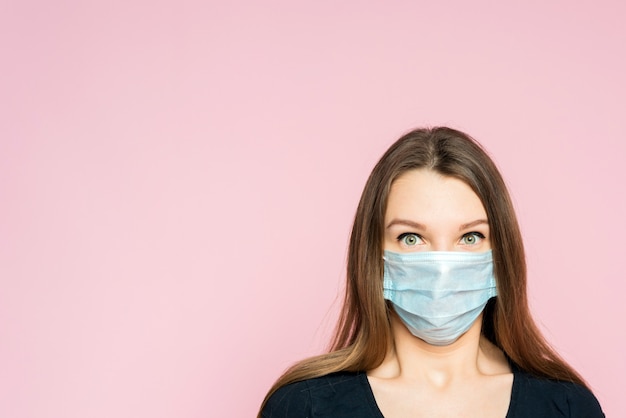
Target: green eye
point(472, 238)
point(409, 240)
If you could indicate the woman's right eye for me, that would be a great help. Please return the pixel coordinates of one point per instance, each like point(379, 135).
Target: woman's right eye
point(409, 239)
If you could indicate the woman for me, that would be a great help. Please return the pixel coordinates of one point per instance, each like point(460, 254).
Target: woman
point(435, 321)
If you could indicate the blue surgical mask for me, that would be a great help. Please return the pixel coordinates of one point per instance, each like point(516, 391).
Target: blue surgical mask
point(438, 295)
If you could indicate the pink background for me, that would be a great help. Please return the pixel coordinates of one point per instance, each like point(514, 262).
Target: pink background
point(178, 180)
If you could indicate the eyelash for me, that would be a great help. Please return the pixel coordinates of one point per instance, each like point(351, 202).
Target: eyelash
point(402, 236)
point(474, 233)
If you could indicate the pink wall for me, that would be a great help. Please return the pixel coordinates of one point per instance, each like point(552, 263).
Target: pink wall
point(177, 182)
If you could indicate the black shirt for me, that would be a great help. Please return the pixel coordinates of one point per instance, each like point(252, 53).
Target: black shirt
point(349, 395)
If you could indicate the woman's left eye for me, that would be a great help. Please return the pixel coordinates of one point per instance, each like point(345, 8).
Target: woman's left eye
point(472, 238)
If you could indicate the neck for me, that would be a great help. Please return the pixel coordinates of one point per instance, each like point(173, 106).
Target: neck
point(413, 359)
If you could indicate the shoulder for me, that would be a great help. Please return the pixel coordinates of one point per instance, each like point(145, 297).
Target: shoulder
point(537, 397)
point(336, 394)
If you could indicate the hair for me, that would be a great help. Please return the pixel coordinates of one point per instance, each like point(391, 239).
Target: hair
point(363, 332)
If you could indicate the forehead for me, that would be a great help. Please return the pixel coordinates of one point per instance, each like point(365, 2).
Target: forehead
point(424, 195)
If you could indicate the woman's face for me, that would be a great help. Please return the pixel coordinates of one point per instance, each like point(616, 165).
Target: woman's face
point(430, 212)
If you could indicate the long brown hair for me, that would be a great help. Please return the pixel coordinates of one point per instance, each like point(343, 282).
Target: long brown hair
point(363, 332)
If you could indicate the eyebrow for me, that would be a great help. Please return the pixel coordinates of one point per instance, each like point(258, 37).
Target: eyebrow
point(418, 225)
point(473, 224)
point(406, 222)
